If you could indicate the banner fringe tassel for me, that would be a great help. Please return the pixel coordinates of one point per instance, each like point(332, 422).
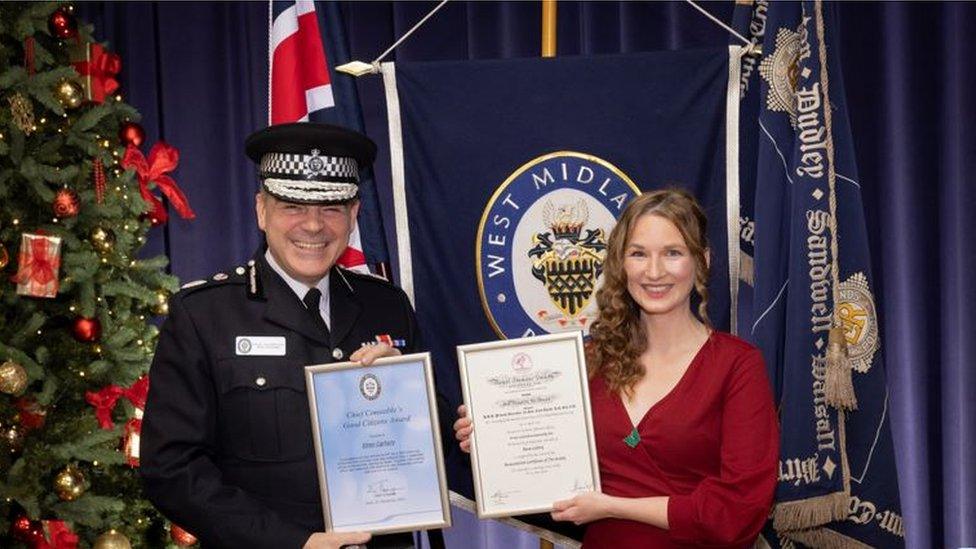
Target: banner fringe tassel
point(809, 513)
point(839, 390)
point(826, 539)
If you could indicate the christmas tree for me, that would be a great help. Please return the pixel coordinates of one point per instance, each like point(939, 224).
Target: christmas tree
point(77, 200)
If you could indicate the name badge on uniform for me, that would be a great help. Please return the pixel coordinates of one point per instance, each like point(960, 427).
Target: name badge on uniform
point(260, 345)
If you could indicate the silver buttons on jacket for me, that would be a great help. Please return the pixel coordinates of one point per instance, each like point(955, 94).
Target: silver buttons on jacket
point(337, 353)
point(260, 382)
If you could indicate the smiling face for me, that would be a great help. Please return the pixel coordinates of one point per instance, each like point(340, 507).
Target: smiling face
point(659, 266)
point(305, 239)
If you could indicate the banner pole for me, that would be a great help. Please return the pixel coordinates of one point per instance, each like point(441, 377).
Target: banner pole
point(548, 50)
point(548, 28)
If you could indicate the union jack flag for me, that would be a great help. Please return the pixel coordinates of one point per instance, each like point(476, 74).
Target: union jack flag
point(300, 89)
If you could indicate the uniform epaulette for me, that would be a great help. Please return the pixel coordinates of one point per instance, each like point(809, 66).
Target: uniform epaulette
point(218, 279)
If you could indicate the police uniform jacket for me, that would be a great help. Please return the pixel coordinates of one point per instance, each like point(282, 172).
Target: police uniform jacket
point(226, 449)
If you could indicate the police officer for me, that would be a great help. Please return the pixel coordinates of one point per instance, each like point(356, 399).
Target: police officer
point(227, 448)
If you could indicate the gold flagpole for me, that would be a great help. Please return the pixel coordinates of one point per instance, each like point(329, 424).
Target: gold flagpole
point(548, 50)
point(548, 28)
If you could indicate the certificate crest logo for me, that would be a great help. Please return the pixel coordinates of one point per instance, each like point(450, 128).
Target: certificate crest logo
point(243, 346)
point(542, 243)
point(369, 387)
point(521, 362)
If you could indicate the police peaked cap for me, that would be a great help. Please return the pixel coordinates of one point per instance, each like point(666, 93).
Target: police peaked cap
point(310, 163)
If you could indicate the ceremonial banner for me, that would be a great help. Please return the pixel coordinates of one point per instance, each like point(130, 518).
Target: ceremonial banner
point(815, 315)
point(749, 20)
point(510, 174)
point(305, 44)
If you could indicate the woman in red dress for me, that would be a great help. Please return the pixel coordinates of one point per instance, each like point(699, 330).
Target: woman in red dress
point(686, 431)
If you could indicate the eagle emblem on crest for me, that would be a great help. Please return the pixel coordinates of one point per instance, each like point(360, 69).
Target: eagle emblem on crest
point(568, 258)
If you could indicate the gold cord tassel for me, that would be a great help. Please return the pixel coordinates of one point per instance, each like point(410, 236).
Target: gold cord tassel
point(840, 386)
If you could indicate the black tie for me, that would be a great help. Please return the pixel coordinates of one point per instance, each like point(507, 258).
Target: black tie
point(311, 301)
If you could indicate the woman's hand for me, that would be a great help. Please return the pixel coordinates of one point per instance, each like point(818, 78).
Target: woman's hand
point(463, 428)
point(583, 508)
point(369, 353)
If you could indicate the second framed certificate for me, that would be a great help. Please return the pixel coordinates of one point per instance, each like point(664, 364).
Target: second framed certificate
point(378, 445)
point(532, 442)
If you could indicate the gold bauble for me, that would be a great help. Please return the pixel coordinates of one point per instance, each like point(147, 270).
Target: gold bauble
point(69, 484)
point(161, 306)
point(13, 437)
point(69, 93)
point(22, 112)
point(13, 378)
point(102, 239)
point(112, 540)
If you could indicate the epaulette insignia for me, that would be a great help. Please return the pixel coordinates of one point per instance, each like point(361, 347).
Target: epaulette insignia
point(220, 276)
point(193, 284)
point(253, 282)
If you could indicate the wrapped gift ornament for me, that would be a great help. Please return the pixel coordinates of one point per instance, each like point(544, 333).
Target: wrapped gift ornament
point(37, 269)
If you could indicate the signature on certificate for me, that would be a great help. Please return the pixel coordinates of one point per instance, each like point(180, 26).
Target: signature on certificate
point(580, 485)
point(499, 496)
point(382, 487)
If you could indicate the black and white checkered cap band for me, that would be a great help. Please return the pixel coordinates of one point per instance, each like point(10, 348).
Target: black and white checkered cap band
point(310, 167)
point(296, 190)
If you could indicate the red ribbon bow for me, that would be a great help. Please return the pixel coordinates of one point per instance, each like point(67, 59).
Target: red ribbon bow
point(104, 400)
point(162, 159)
point(58, 536)
point(38, 265)
point(100, 68)
point(138, 392)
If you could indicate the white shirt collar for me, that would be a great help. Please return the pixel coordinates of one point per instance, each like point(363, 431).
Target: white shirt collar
point(300, 288)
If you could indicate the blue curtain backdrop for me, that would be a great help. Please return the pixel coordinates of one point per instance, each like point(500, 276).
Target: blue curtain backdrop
point(198, 74)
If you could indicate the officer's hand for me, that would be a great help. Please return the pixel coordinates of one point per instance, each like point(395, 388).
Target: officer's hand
point(368, 354)
point(463, 428)
point(335, 540)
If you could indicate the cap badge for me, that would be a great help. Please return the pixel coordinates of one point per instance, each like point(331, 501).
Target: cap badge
point(314, 164)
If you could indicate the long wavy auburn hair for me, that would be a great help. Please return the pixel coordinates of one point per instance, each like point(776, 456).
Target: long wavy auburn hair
point(618, 338)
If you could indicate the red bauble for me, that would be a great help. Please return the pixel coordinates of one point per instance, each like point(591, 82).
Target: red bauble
point(20, 528)
point(131, 133)
point(86, 330)
point(181, 537)
point(66, 203)
point(26, 530)
point(62, 24)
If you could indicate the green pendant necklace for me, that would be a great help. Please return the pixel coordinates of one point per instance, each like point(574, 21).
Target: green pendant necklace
point(633, 439)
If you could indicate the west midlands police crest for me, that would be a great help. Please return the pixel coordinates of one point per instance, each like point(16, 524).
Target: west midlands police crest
point(542, 243)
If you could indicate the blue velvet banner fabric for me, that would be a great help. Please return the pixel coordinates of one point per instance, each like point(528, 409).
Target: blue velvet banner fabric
point(815, 296)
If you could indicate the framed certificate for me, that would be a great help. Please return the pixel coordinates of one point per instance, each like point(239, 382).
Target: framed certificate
point(378, 445)
point(532, 442)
